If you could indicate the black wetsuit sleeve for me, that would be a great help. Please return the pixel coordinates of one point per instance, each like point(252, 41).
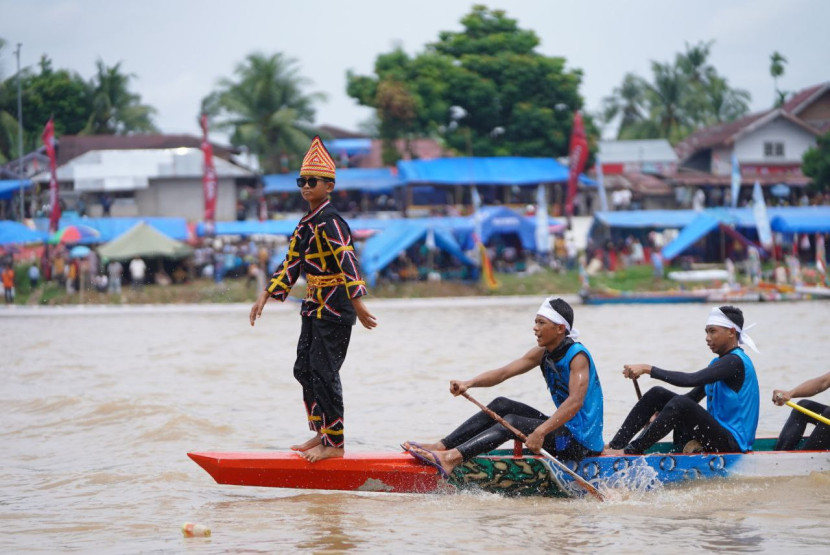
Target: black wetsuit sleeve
point(729, 368)
point(697, 394)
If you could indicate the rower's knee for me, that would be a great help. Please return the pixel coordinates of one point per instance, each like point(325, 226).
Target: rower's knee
point(499, 405)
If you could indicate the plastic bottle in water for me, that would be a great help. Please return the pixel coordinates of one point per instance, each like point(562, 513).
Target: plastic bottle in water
point(193, 530)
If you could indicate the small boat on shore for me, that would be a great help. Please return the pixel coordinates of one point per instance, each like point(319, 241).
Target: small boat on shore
point(643, 297)
point(503, 471)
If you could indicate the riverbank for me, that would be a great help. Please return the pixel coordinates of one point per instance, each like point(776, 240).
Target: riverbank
point(543, 282)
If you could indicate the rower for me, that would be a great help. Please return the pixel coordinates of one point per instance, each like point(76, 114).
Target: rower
point(729, 383)
point(797, 422)
point(573, 432)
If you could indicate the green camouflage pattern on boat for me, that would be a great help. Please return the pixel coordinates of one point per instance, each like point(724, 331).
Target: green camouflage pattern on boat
point(506, 476)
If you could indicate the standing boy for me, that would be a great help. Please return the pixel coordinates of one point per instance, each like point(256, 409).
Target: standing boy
point(322, 248)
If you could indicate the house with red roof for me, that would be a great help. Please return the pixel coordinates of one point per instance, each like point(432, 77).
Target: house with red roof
point(769, 147)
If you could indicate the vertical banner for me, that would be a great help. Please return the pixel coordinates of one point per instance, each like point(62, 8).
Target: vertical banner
point(736, 181)
point(821, 259)
point(48, 138)
point(759, 211)
point(542, 235)
point(603, 200)
point(208, 179)
point(577, 155)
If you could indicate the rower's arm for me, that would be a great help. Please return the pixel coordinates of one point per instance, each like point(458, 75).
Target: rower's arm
point(806, 389)
point(531, 359)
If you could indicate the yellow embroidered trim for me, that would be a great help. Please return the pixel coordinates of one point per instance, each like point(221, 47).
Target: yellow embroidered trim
point(330, 432)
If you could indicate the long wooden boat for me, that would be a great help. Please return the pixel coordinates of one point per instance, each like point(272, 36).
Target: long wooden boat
point(643, 297)
point(503, 471)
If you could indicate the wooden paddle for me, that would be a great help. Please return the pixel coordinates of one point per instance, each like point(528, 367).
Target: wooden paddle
point(637, 389)
point(808, 412)
point(577, 478)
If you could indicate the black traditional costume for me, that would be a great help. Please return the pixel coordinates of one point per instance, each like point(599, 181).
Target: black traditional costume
point(321, 247)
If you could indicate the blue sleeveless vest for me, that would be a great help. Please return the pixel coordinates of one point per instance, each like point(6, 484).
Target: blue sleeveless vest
point(586, 425)
point(737, 411)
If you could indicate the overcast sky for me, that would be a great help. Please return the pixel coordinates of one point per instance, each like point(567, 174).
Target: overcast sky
point(179, 49)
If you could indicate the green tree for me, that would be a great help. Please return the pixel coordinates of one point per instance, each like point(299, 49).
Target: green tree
point(8, 114)
point(484, 90)
point(682, 96)
point(266, 109)
point(816, 164)
point(776, 70)
point(114, 109)
point(60, 95)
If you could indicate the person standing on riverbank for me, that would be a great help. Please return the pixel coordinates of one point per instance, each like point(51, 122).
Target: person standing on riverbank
point(322, 248)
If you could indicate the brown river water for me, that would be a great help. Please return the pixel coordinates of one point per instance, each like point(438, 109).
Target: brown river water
point(100, 406)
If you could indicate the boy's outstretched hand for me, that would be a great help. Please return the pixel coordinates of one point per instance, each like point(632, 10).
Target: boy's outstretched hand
point(259, 304)
point(366, 318)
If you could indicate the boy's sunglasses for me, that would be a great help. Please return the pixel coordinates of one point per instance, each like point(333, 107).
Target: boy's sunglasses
point(312, 181)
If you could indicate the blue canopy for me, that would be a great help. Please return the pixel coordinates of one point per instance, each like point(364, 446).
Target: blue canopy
point(638, 219)
point(808, 219)
point(112, 228)
point(497, 170)
point(9, 187)
point(690, 235)
point(15, 233)
point(371, 180)
point(349, 147)
point(381, 249)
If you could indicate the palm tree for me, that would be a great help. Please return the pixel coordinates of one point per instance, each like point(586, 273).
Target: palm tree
point(8, 117)
point(627, 101)
point(776, 69)
point(666, 98)
point(115, 110)
point(266, 109)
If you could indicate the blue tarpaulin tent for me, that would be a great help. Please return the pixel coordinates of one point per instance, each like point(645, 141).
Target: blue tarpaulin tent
point(15, 233)
point(690, 235)
point(9, 187)
point(380, 250)
point(783, 219)
point(497, 170)
point(809, 219)
point(370, 180)
point(112, 228)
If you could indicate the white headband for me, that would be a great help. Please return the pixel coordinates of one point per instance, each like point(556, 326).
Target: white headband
point(547, 311)
point(718, 318)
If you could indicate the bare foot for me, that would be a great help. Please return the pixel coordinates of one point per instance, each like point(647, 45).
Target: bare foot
point(322, 452)
point(437, 446)
point(613, 452)
point(313, 442)
point(447, 460)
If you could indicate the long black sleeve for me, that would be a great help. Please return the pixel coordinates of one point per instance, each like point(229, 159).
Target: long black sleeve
point(729, 368)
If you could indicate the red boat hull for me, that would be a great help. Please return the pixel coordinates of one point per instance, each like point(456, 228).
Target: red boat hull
point(386, 472)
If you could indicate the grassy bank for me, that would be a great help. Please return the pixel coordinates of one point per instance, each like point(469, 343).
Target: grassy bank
point(637, 278)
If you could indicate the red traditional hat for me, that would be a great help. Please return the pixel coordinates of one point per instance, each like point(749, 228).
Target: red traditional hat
point(317, 160)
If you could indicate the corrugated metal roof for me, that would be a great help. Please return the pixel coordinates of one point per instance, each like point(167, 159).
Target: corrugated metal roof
point(650, 150)
point(120, 170)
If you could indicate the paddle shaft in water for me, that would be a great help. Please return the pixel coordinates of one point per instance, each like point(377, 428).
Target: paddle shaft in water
point(808, 412)
point(523, 438)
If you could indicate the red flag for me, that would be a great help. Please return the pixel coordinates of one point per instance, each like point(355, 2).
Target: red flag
point(577, 156)
point(208, 178)
point(48, 138)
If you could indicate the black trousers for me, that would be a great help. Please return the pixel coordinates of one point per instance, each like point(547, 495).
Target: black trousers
point(321, 351)
point(797, 422)
point(679, 413)
point(481, 434)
